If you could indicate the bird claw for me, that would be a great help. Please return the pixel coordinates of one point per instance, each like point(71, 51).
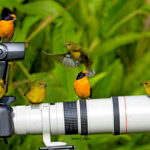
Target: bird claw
point(68, 56)
point(91, 73)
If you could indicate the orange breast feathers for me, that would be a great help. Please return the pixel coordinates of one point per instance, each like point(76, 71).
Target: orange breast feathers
point(6, 30)
point(82, 88)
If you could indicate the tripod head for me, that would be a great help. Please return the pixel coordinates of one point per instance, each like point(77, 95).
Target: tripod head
point(9, 52)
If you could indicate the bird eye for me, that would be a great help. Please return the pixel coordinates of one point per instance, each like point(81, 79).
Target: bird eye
point(69, 44)
point(40, 84)
point(146, 83)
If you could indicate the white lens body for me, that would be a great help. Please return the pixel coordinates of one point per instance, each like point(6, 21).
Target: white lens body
point(134, 116)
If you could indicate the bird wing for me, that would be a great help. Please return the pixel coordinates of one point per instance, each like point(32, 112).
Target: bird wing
point(88, 63)
point(65, 59)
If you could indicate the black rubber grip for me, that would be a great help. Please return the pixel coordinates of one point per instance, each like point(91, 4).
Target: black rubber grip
point(83, 114)
point(116, 115)
point(70, 117)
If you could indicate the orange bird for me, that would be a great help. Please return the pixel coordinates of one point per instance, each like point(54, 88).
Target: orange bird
point(7, 28)
point(82, 85)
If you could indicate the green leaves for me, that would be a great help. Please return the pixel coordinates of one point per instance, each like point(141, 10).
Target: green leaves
point(118, 41)
point(9, 4)
point(41, 8)
point(112, 13)
point(111, 82)
point(94, 80)
point(21, 33)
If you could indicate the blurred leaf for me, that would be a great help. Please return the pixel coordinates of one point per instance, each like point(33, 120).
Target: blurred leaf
point(41, 8)
point(137, 75)
point(29, 21)
point(112, 13)
point(120, 40)
point(9, 4)
point(146, 7)
point(124, 20)
point(94, 80)
point(111, 83)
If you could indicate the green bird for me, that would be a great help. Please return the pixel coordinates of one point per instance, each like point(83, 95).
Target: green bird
point(74, 57)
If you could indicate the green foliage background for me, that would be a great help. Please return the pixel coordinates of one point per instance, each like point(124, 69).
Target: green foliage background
point(116, 35)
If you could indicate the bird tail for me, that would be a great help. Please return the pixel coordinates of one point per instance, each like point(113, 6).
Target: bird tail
point(88, 63)
point(46, 53)
point(54, 56)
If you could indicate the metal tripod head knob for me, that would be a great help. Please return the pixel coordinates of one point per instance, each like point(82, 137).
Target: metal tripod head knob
point(3, 51)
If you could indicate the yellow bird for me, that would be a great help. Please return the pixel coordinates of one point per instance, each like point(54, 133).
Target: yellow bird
point(2, 88)
point(146, 85)
point(75, 56)
point(36, 91)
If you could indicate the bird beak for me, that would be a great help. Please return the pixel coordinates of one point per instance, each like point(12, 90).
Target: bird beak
point(13, 16)
point(65, 46)
point(45, 85)
point(87, 74)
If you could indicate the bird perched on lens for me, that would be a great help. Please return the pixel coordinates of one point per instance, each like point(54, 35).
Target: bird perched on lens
point(146, 85)
point(74, 57)
point(82, 86)
point(7, 27)
point(2, 88)
point(36, 91)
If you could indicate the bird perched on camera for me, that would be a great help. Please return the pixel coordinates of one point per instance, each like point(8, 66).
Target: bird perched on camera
point(146, 85)
point(2, 88)
point(36, 91)
point(7, 27)
point(74, 57)
point(82, 86)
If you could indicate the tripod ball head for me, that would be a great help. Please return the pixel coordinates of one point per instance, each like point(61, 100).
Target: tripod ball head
point(12, 51)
